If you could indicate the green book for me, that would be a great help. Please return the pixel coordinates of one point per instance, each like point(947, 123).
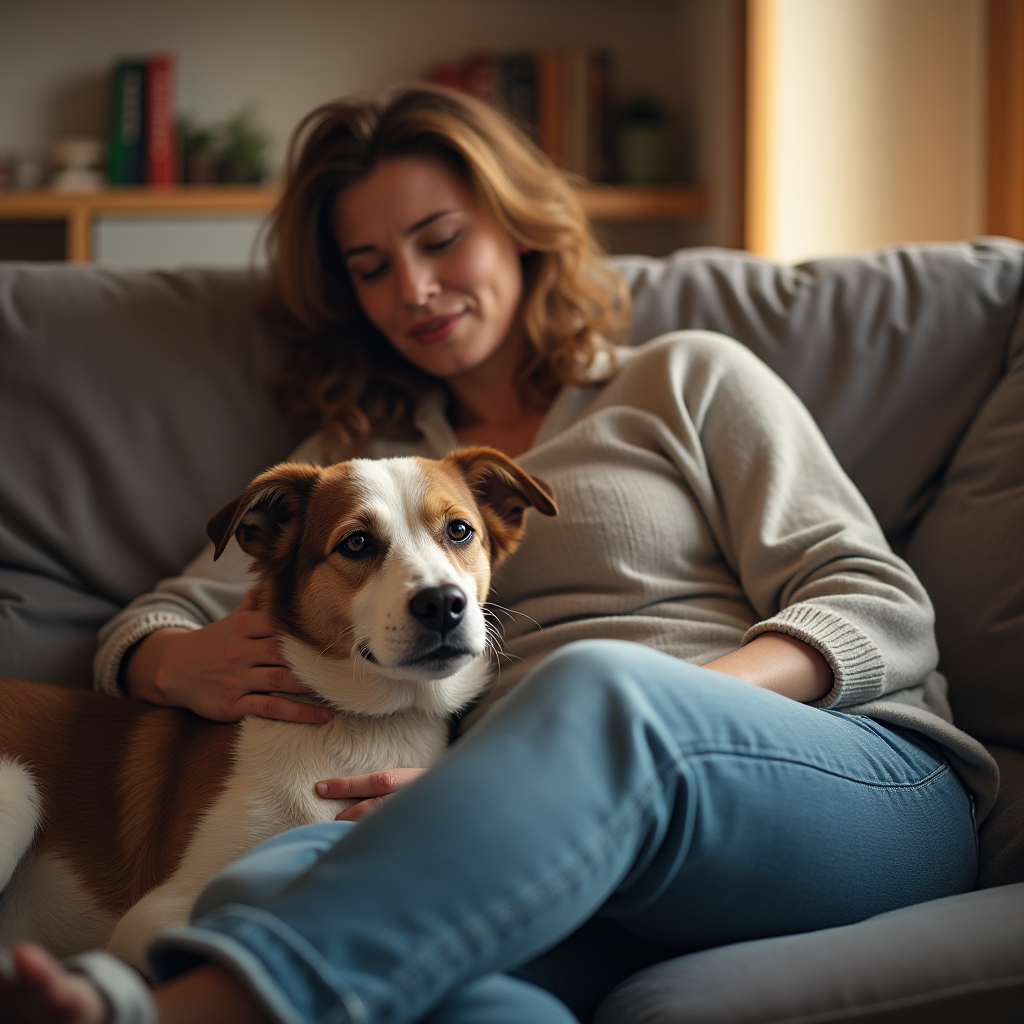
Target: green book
point(126, 156)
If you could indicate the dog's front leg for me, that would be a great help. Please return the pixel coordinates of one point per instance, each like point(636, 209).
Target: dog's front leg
point(230, 828)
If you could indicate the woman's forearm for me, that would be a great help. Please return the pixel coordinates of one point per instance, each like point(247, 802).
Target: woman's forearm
point(208, 994)
point(142, 664)
point(776, 661)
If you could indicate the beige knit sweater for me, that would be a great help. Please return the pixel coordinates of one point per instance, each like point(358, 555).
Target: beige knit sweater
point(699, 506)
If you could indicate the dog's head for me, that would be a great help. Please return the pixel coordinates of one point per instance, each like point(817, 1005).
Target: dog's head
point(375, 571)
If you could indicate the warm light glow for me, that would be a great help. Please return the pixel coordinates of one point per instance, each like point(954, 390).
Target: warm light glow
point(866, 124)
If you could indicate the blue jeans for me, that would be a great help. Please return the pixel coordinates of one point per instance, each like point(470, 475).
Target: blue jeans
point(619, 807)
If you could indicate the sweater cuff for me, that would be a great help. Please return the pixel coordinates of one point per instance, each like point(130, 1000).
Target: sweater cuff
point(857, 665)
point(106, 666)
point(128, 998)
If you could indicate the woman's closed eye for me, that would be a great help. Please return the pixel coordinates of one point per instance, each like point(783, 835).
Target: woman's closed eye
point(440, 244)
point(369, 272)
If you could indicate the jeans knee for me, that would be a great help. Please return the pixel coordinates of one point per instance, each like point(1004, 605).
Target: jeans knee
point(614, 666)
point(585, 668)
point(613, 686)
point(625, 678)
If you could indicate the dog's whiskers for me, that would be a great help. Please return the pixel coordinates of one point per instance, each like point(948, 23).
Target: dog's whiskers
point(494, 643)
point(323, 652)
point(490, 606)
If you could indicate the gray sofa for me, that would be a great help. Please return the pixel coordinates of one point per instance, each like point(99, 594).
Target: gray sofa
point(133, 404)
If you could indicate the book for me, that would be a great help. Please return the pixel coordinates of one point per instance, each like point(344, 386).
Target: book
point(158, 123)
point(517, 87)
point(549, 105)
point(480, 77)
point(126, 141)
point(563, 99)
point(449, 75)
point(601, 112)
point(575, 116)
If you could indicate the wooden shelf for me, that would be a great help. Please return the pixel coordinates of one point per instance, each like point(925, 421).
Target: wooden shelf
point(175, 199)
point(645, 202)
point(79, 208)
point(604, 202)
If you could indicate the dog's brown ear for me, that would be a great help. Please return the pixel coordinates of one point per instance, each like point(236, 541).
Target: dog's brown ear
point(259, 515)
point(504, 492)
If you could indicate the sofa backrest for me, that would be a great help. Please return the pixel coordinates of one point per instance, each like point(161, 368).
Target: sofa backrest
point(893, 352)
point(133, 405)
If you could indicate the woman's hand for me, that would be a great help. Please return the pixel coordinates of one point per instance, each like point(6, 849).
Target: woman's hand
point(779, 662)
point(370, 790)
point(223, 671)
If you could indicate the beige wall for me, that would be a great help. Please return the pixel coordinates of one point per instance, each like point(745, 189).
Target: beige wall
point(872, 114)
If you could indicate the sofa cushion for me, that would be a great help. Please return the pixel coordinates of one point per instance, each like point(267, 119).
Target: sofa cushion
point(944, 962)
point(969, 553)
point(132, 406)
point(1001, 838)
point(893, 352)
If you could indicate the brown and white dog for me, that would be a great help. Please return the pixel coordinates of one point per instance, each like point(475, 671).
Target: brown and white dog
point(114, 814)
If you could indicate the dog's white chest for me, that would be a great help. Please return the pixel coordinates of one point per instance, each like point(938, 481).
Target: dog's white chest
point(278, 764)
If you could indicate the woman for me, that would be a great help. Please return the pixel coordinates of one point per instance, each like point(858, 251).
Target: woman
point(441, 286)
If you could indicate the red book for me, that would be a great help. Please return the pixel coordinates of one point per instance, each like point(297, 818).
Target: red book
point(480, 77)
point(446, 74)
point(161, 149)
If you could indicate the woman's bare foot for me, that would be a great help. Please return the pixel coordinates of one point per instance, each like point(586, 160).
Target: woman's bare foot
point(36, 989)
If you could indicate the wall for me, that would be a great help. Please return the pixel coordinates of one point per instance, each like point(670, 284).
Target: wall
point(868, 124)
point(288, 57)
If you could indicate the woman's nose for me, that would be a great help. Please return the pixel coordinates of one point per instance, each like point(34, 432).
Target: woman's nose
point(417, 282)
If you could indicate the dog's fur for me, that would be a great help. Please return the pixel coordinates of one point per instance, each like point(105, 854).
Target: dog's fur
point(115, 813)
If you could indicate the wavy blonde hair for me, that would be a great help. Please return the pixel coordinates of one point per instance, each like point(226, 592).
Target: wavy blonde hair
point(342, 374)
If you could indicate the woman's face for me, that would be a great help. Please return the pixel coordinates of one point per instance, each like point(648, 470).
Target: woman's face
point(431, 267)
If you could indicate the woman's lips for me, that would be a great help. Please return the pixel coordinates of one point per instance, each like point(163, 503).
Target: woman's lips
point(437, 328)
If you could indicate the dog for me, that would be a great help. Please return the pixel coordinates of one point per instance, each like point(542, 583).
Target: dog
point(114, 813)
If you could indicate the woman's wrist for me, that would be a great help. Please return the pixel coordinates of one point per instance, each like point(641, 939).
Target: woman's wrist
point(144, 677)
point(781, 663)
point(211, 994)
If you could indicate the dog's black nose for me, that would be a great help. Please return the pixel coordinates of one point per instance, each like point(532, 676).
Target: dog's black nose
point(439, 608)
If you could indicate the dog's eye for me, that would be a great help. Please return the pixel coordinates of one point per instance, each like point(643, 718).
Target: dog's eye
point(460, 531)
point(355, 544)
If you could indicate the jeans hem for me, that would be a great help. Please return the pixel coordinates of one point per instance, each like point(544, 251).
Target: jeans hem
point(178, 950)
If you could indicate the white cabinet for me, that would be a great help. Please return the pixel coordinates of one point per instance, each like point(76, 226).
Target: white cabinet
point(173, 241)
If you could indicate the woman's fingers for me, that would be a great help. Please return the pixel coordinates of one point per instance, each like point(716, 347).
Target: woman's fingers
point(265, 705)
point(267, 652)
point(271, 679)
point(360, 810)
point(253, 624)
point(363, 787)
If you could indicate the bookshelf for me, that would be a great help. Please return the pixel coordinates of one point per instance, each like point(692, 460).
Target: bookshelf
point(78, 211)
